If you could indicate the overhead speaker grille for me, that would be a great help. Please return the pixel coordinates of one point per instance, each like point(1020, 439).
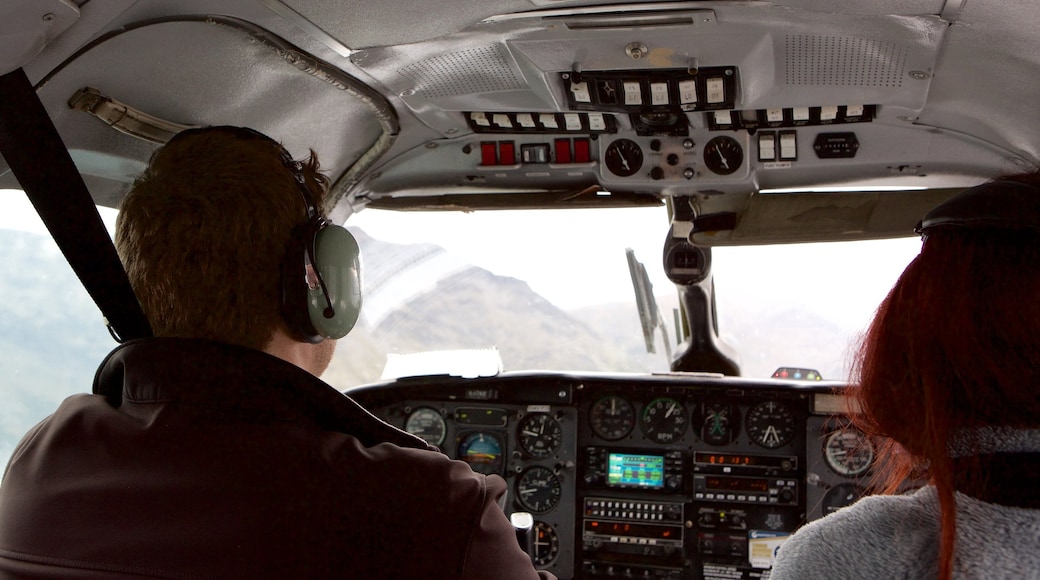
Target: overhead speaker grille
point(473, 71)
point(842, 61)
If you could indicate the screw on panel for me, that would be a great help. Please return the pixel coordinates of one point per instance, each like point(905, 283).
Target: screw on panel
point(918, 75)
point(48, 17)
point(636, 50)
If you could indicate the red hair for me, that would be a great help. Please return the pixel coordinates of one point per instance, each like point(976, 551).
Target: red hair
point(953, 347)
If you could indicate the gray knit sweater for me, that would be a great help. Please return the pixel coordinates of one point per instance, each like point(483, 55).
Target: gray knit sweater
point(885, 537)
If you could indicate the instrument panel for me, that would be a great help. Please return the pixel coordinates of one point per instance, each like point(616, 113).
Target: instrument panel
point(656, 476)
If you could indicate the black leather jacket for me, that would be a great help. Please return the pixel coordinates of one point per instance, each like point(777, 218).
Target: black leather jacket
point(202, 460)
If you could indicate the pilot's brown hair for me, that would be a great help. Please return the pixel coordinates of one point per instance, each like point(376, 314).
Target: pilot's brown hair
point(952, 349)
point(203, 231)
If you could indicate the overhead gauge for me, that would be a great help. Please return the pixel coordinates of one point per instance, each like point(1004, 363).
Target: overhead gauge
point(483, 452)
point(538, 489)
point(848, 452)
point(664, 420)
point(723, 155)
point(612, 417)
point(770, 424)
point(546, 544)
point(539, 435)
point(427, 424)
point(623, 157)
point(720, 422)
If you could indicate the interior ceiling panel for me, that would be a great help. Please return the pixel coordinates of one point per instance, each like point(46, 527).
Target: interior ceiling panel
point(991, 76)
point(200, 73)
point(391, 22)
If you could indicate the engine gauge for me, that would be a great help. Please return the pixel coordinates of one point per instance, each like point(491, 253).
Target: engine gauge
point(770, 424)
point(427, 424)
point(483, 452)
point(664, 420)
point(538, 489)
point(720, 422)
point(546, 544)
point(539, 435)
point(840, 496)
point(623, 157)
point(848, 452)
point(612, 417)
point(723, 155)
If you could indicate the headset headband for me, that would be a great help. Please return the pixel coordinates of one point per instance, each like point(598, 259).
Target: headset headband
point(1000, 204)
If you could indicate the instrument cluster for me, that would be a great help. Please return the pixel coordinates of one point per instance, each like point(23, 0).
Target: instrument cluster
point(669, 477)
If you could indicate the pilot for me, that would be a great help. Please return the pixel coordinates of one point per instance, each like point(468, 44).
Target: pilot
point(948, 372)
point(213, 450)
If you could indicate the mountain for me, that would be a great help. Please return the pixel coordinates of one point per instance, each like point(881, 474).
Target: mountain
point(454, 305)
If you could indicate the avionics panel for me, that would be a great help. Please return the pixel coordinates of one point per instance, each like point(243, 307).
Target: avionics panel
point(665, 477)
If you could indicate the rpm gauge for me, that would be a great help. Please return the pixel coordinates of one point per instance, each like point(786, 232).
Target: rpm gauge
point(664, 420)
point(483, 452)
point(612, 417)
point(538, 489)
point(546, 544)
point(427, 424)
point(848, 452)
point(723, 155)
point(623, 157)
point(770, 424)
point(539, 435)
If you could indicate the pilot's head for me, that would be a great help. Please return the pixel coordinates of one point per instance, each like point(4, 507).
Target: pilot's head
point(953, 348)
point(203, 233)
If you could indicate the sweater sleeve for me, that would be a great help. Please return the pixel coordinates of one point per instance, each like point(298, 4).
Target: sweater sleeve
point(876, 538)
point(493, 552)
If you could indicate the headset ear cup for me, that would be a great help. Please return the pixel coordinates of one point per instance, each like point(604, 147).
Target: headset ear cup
point(294, 287)
point(337, 258)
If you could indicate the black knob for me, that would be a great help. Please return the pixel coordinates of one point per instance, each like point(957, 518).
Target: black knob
point(656, 173)
point(673, 159)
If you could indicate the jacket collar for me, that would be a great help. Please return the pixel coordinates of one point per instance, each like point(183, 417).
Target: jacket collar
point(224, 376)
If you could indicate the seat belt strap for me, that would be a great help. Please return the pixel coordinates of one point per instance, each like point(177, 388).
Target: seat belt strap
point(34, 151)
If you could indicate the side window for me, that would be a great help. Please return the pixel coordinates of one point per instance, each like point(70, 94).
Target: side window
point(52, 335)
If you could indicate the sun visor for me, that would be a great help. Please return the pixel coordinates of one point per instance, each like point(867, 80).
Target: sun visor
point(29, 26)
point(198, 72)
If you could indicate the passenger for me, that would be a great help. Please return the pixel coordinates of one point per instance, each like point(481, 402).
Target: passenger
point(949, 371)
point(213, 451)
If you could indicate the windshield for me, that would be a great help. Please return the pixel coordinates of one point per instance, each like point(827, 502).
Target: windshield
point(534, 290)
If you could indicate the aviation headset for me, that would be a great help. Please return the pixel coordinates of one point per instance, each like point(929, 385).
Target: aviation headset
point(1000, 204)
point(321, 272)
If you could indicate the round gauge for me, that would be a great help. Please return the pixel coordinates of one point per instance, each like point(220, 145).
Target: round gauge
point(664, 420)
point(427, 424)
point(720, 423)
point(539, 435)
point(546, 544)
point(538, 489)
point(612, 417)
point(723, 155)
point(483, 452)
point(623, 157)
point(771, 424)
point(848, 452)
point(840, 496)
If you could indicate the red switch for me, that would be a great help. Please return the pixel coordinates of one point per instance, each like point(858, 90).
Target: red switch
point(581, 151)
point(563, 150)
point(488, 153)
